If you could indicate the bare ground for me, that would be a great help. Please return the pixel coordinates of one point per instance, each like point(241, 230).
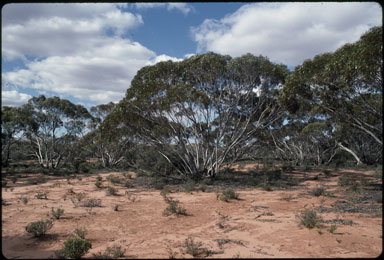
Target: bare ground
point(261, 224)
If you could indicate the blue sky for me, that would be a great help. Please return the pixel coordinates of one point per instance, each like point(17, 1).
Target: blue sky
point(89, 53)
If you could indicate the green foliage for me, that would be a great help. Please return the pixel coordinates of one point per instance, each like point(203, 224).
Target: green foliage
point(346, 180)
point(57, 213)
point(332, 228)
point(194, 248)
point(190, 186)
point(158, 183)
point(173, 207)
point(39, 228)
point(74, 248)
point(41, 195)
point(81, 232)
point(113, 179)
point(114, 252)
point(91, 203)
point(318, 191)
point(309, 219)
point(227, 195)
point(111, 191)
point(99, 184)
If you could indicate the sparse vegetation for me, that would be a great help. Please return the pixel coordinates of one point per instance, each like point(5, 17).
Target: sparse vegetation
point(74, 248)
point(39, 228)
point(91, 203)
point(195, 249)
point(41, 195)
point(57, 213)
point(110, 253)
point(111, 191)
point(227, 195)
point(318, 191)
point(332, 228)
point(173, 207)
point(309, 219)
point(81, 232)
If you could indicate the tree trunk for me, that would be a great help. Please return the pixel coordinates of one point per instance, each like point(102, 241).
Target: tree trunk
point(358, 161)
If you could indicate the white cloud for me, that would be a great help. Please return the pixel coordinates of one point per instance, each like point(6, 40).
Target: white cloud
point(100, 74)
point(163, 57)
point(13, 98)
point(60, 29)
point(183, 7)
point(287, 32)
point(77, 50)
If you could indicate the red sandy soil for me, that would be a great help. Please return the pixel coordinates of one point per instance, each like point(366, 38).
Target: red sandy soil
point(262, 224)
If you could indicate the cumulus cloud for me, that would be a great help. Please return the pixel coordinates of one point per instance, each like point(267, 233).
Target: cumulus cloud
point(287, 32)
point(60, 29)
point(183, 7)
point(72, 50)
point(163, 57)
point(100, 74)
point(14, 98)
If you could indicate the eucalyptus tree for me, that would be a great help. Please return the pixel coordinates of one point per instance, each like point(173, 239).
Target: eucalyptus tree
point(344, 86)
point(13, 122)
point(58, 124)
point(200, 113)
point(108, 140)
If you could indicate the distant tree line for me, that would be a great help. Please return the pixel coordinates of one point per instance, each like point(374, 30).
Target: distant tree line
point(188, 119)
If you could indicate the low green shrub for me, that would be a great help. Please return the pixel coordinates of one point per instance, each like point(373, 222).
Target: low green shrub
point(194, 248)
point(173, 207)
point(39, 228)
point(111, 191)
point(189, 186)
point(110, 253)
point(74, 248)
point(99, 184)
point(309, 219)
point(41, 195)
point(81, 232)
point(57, 213)
point(227, 195)
point(91, 203)
point(318, 191)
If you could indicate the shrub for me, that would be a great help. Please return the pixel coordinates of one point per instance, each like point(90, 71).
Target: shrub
point(99, 178)
point(193, 248)
point(84, 168)
point(332, 228)
point(227, 194)
point(75, 248)
point(309, 219)
point(128, 184)
point(14, 179)
point(57, 213)
point(345, 180)
point(189, 186)
point(91, 203)
point(4, 183)
point(41, 196)
point(39, 228)
point(110, 253)
point(173, 207)
point(81, 232)
point(318, 191)
point(99, 184)
point(111, 191)
point(165, 191)
point(25, 200)
point(158, 183)
point(113, 179)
